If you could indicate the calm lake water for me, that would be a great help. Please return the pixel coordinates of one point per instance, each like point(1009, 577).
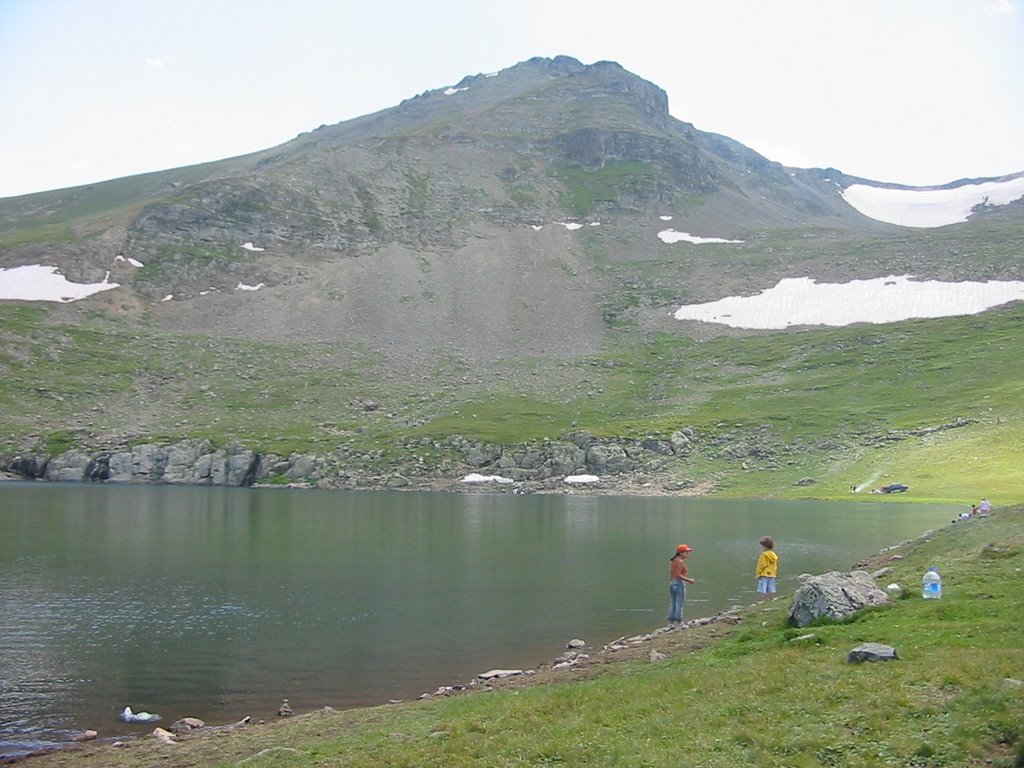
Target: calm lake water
point(218, 603)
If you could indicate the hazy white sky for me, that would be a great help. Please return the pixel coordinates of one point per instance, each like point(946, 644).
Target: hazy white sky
point(913, 91)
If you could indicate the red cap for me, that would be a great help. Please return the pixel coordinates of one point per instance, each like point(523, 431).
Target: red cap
point(684, 548)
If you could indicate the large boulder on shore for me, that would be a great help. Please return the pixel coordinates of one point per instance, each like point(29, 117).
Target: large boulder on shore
point(834, 595)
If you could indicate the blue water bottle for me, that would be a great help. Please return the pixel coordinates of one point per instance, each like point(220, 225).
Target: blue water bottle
point(931, 585)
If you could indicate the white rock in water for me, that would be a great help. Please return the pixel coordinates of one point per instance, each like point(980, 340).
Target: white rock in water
point(138, 717)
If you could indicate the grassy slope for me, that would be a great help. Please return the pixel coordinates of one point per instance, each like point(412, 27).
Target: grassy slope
point(823, 402)
point(63, 214)
point(760, 696)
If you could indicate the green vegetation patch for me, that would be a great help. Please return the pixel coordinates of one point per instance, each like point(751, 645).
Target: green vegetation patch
point(170, 262)
point(932, 403)
point(53, 216)
point(418, 194)
point(584, 188)
point(507, 419)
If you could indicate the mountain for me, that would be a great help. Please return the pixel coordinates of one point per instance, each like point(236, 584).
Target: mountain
point(518, 235)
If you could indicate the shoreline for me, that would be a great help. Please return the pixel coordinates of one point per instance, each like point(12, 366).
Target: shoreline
point(575, 664)
point(609, 485)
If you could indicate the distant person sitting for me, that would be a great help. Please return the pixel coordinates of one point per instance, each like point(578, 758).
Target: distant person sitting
point(984, 508)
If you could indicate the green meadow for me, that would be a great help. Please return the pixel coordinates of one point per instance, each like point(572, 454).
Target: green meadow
point(935, 404)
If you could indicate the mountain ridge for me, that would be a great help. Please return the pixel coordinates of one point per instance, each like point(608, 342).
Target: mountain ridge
point(522, 234)
point(262, 195)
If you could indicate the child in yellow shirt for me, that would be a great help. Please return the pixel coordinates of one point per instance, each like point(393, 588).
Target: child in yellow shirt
point(767, 569)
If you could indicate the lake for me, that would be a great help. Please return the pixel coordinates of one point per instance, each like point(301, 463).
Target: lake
point(218, 603)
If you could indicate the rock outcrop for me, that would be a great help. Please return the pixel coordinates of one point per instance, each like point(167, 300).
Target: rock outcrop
point(189, 462)
point(834, 595)
point(199, 462)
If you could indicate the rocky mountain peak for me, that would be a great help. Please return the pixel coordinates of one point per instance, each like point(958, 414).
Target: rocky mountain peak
point(649, 97)
point(479, 164)
point(609, 77)
point(559, 65)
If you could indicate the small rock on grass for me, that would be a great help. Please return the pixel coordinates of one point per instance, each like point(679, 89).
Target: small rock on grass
point(872, 652)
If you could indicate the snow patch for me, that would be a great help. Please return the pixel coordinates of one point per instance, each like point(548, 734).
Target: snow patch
point(251, 247)
point(671, 236)
point(802, 301)
point(925, 208)
point(452, 91)
point(35, 282)
point(244, 287)
point(572, 226)
point(475, 478)
point(581, 479)
point(665, 218)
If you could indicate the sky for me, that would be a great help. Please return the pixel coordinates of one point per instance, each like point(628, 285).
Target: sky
point(910, 91)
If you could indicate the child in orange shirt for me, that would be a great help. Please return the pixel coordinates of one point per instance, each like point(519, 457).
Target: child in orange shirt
point(676, 584)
